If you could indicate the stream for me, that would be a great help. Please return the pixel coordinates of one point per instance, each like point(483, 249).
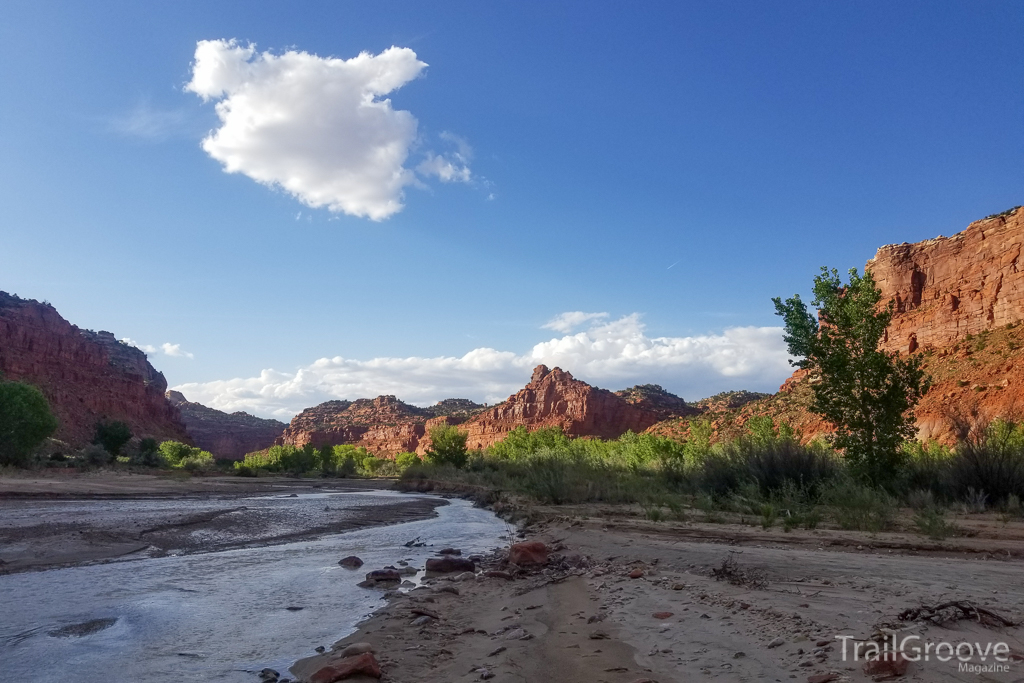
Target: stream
point(217, 616)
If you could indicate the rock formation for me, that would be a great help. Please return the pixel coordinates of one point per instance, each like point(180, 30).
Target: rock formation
point(227, 435)
point(553, 398)
point(959, 302)
point(86, 376)
point(949, 287)
point(383, 425)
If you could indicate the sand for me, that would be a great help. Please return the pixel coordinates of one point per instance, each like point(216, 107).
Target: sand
point(820, 584)
point(72, 519)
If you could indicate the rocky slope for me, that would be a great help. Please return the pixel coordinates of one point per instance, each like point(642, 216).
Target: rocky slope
point(553, 398)
point(227, 435)
point(959, 303)
point(87, 376)
point(383, 425)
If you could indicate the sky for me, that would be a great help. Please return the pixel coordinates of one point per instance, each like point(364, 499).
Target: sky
point(284, 203)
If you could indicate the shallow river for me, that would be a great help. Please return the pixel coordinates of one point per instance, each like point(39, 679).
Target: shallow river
point(218, 616)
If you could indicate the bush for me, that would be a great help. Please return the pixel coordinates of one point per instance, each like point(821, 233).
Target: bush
point(447, 446)
point(25, 422)
point(183, 456)
point(95, 455)
point(858, 507)
point(112, 436)
point(148, 454)
point(990, 461)
point(406, 460)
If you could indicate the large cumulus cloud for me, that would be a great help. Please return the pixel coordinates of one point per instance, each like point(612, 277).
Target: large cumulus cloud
point(321, 128)
point(613, 355)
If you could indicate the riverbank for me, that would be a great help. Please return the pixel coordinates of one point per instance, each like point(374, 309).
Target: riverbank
point(645, 604)
point(70, 519)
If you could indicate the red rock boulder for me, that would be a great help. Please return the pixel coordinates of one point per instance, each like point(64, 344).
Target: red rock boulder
point(528, 553)
point(364, 664)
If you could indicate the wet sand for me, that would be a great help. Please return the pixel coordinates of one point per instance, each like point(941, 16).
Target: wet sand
point(65, 520)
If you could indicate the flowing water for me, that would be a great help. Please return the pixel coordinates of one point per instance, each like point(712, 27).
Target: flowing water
point(219, 616)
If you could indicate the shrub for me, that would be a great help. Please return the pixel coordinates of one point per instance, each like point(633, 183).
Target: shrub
point(112, 436)
point(991, 460)
point(931, 522)
point(447, 446)
point(148, 454)
point(25, 422)
point(95, 455)
point(406, 460)
point(858, 507)
point(183, 456)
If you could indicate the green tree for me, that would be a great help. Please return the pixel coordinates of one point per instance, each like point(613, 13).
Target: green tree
point(447, 446)
point(112, 436)
point(866, 393)
point(327, 462)
point(25, 421)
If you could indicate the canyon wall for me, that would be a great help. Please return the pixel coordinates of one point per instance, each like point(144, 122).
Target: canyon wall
point(227, 435)
point(949, 287)
point(959, 302)
point(384, 425)
point(86, 376)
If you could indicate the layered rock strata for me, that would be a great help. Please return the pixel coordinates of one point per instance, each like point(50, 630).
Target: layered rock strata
point(553, 398)
point(86, 376)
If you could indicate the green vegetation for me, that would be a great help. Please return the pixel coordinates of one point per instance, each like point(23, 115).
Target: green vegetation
point(25, 422)
point(329, 461)
point(447, 446)
point(112, 436)
point(867, 394)
point(766, 477)
point(182, 456)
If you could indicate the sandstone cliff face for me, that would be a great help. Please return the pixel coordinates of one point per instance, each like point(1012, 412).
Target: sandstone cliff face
point(959, 302)
point(227, 435)
point(553, 398)
point(87, 376)
point(383, 425)
point(949, 287)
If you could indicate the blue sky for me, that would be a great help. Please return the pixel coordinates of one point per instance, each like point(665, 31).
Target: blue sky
point(669, 165)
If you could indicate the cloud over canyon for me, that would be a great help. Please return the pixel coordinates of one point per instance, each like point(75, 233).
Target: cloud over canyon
point(612, 355)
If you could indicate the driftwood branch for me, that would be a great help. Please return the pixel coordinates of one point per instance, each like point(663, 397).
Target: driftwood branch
point(955, 610)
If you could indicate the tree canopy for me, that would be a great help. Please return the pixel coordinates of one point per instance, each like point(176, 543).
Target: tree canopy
point(25, 421)
point(868, 394)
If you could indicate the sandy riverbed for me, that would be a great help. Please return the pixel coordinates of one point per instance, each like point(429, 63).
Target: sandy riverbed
point(820, 584)
point(67, 519)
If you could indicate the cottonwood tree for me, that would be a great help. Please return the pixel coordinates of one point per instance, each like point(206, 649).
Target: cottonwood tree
point(867, 394)
point(25, 421)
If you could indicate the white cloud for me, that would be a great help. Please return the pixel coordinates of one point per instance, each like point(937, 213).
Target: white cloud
point(166, 348)
point(569, 321)
point(148, 348)
point(612, 355)
point(318, 127)
point(175, 350)
point(452, 166)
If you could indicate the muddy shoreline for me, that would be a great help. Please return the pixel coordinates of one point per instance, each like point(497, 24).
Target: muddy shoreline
point(65, 521)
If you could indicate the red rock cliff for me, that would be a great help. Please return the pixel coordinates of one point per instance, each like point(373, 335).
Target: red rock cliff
point(949, 287)
point(87, 376)
point(959, 302)
point(383, 425)
point(553, 398)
